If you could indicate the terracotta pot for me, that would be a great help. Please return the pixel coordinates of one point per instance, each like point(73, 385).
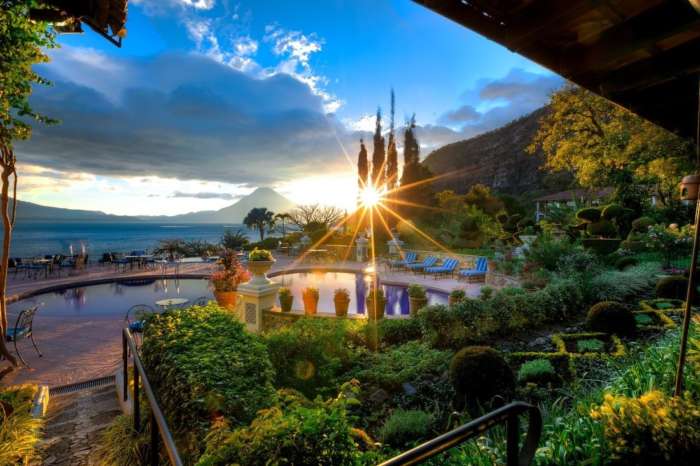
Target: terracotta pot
point(226, 299)
point(286, 303)
point(414, 304)
point(342, 303)
point(259, 269)
point(310, 303)
point(372, 313)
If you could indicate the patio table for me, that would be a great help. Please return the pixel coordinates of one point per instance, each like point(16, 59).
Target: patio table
point(169, 302)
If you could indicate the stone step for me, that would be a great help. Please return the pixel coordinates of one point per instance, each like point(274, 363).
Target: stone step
point(74, 423)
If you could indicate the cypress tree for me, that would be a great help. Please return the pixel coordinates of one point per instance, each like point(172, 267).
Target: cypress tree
point(392, 156)
point(378, 168)
point(414, 172)
point(362, 166)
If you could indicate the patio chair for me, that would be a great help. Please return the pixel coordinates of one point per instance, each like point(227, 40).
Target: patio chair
point(478, 273)
point(24, 328)
point(120, 261)
point(408, 258)
point(447, 268)
point(201, 301)
point(427, 262)
point(138, 313)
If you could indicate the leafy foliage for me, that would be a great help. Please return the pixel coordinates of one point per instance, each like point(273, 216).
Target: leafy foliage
point(19, 430)
point(590, 345)
point(205, 365)
point(260, 255)
point(416, 291)
point(673, 287)
point(478, 374)
point(233, 239)
point(405, 426)
point(537, 371)
point(611, 317)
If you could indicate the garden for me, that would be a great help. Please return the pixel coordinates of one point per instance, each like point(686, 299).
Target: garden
point(591, 337)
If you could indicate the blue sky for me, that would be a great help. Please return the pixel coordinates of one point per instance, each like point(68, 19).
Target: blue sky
point(213, 96)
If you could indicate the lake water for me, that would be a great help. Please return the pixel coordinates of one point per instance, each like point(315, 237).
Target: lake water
point(40, 238)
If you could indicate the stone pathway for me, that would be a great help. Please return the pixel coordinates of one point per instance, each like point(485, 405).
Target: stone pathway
point(73, 424)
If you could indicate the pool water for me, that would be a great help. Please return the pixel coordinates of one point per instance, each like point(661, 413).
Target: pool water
point(114, 299)
point(358, 286)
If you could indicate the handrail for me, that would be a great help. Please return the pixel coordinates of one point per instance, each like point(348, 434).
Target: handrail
point(507, 414)
point(157, 418)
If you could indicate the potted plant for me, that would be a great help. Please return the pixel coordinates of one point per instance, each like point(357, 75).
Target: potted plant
point(375, 303)
point(416, 298)
point(225, 282)
point(259, 262)
point(341, 299)
point(310, 298)
point(456, 296)
point(286, 299)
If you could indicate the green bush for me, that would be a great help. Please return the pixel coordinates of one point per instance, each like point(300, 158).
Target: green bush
point(405, 427)
point(624, 262)
point(643, 320)
point(654, 429)
point(19, 430)
point(479, 374)
point(416, 291)
point(311, 354)
point(626, 285)
point(443, 326)
point(299, 433)
point(602, 246)
point(398, 331)
point(204, 364)
point(611, 317)
point(547, 251)
point(590, 345)
point(589, 214)
point(642, 224)
point(602, 228)
point(538, 371)
point(400, 364)
point(612, 211)
point(459, 294)
point(673, 287)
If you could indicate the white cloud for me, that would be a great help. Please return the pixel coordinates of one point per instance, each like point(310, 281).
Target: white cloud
point(364, 123)
point(200, 4)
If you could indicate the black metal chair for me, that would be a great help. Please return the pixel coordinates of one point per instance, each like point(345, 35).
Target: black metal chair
point(24, 328)
point(201, 301)
point(138, 313)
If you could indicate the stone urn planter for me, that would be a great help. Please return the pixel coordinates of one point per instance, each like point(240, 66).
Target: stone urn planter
point(259, 270)
point(226, 299)
point(286, 299)
point(375, 312)
point(415, 304)
point(310, 298)
point(341, 299)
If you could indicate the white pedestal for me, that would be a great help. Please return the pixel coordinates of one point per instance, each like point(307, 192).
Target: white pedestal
point(256, 298)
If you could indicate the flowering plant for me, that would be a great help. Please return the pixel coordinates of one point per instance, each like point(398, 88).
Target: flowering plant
point(258, 255)
point(232, 274)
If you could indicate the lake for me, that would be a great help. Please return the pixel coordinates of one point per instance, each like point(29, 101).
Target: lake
point(39, 238)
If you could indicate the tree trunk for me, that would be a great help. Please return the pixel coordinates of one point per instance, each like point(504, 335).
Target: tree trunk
point(8, 170)
point(261, 229)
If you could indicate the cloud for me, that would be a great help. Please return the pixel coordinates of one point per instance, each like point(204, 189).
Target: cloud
point(204, 195)
point(493, 103)
point(182, 116)
point(157, 7)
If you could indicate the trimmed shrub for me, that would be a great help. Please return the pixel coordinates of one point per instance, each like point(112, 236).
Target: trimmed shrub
point(642, 224)
point(653, 429)
point(612, 211)
point(479, 374)
point(537, 371)
point(589, 214)
point(400, 364)
point(624, 262)
point(443, 326)
point(611, 317)
point(405, 427)
point(398, 331)
point(673, 287)
point(299, 433)
point(604, 228)
point(311, 354)
point(602, 246)
point(204, 364)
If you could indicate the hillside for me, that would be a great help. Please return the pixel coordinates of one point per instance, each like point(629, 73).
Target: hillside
point(496, 159)
point(261, 197)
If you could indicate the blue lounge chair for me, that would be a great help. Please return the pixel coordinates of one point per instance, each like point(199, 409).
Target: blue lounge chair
point(427, 262)
point(447, 268)
point(478, 273)
point(408, 258)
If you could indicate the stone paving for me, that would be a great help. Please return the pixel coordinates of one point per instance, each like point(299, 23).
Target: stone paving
point(73, 426)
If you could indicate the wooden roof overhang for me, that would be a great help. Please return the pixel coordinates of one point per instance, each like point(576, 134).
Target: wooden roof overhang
point(641, 54)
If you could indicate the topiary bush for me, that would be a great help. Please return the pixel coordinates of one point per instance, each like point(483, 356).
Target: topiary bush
point(612, 211)
point(589, 214)
point(397, 331)
point(405, 427)
point(479, 374)
point(642, 224)
point(602, 228)
point(673, 287)
point(611, 317)
point(602, 246)
point(537, 371)
point(204, 364)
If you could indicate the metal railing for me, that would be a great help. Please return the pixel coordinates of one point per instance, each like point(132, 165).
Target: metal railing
point(506, 415)
point(159, 427)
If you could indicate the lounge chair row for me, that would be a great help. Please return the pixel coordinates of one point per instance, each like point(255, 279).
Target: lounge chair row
point(428, 266)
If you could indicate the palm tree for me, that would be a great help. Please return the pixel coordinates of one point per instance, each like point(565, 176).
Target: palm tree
point(283, 217)
point(261, 219)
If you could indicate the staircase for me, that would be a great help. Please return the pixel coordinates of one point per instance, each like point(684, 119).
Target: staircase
point(77, 414)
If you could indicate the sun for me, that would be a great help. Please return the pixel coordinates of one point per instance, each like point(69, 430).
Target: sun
point(370, 196)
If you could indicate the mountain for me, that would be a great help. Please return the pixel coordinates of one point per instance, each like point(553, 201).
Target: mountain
point(261, 197)
point(496, 159)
